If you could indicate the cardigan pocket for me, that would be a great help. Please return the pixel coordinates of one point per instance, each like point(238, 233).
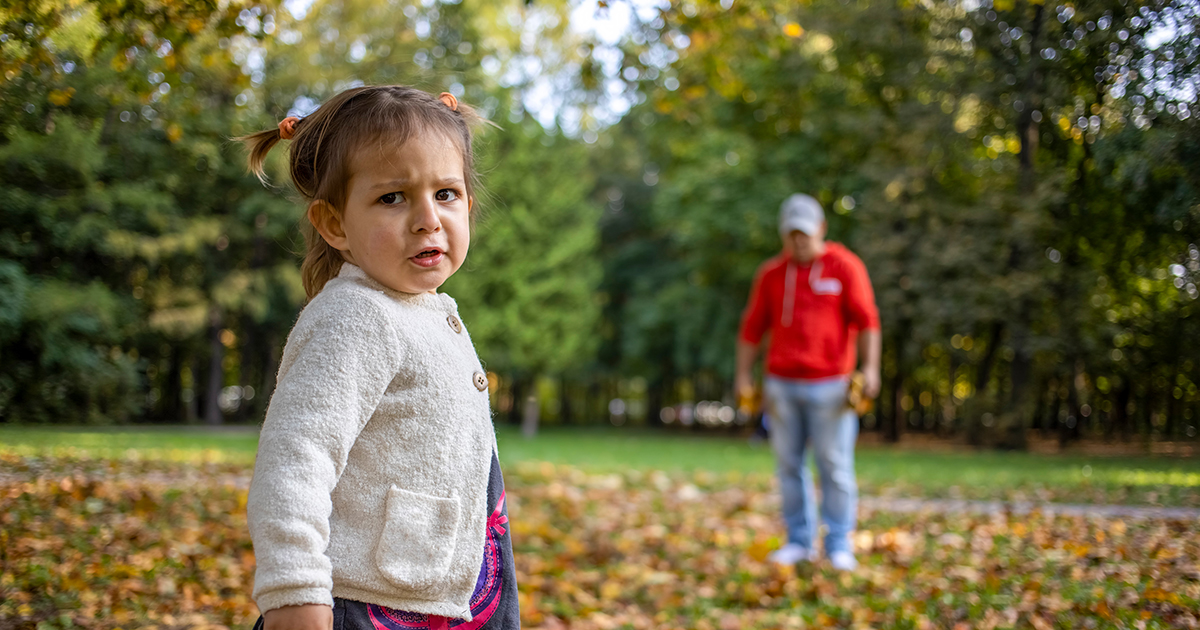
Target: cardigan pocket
point(418, 538)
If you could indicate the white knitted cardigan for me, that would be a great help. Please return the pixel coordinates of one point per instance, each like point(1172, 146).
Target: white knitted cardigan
point(372, 470)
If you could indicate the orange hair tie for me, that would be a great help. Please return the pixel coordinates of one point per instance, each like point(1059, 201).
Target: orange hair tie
point(287, 127)
point(448, 100)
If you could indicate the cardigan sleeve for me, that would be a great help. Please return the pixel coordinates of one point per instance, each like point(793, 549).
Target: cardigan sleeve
point(333, 375)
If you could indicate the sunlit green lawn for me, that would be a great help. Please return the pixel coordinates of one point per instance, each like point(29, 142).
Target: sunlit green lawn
point(900, 472)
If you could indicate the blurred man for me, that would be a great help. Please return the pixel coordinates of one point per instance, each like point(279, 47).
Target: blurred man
point(816, 301)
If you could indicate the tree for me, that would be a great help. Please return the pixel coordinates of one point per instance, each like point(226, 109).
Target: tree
point(960, 150)
point(122, 195)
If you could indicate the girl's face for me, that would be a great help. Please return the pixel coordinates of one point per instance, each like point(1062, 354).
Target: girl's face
point(407, 217)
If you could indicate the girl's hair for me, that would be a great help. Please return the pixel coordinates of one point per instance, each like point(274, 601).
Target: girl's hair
point(325, 142)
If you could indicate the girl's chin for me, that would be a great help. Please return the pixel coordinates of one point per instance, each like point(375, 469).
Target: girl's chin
point(415, 283)
point(413, 278)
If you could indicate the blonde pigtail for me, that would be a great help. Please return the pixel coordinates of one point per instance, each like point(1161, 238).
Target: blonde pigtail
point(259, 145)
point(473, 118)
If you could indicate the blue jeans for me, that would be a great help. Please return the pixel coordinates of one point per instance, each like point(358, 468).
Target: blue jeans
point(806, 414)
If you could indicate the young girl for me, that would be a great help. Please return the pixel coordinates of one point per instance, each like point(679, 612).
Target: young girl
point(377, 501)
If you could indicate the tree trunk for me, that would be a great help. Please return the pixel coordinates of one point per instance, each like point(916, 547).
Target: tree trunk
point(1124, 393)
point(1022, 376)
point(1141, 411)
point(565, 410)
point(193, 403)
point(1054, 422)
point(172, 399)
point(590, 394)
point(1069, 430)
point(1017, 410)
point(517, 390)
point(899, 416)
point(270, 358)
point(216, 372)
point(984, 375)
point(654, 403)
point(1171, 409)
point(894, 428)
point(952, 406)
point(1036, 421)
point(248, 342)
point(530, 416)
point(1027, 127)
point(597, 406)
point(1151, 404)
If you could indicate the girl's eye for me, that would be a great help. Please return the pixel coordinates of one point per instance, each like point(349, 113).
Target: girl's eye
point(447, 194)
point(392, 198)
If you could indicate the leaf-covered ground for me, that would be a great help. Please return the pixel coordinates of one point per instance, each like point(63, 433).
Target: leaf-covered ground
point(142, 544)
point(1094, 472)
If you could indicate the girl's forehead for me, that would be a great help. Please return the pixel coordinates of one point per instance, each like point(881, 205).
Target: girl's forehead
point(394, 145)
point(386, 154)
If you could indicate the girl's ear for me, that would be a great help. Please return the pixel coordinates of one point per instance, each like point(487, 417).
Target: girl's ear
point(328, 223)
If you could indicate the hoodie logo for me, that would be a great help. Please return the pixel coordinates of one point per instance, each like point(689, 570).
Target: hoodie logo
point(823, 286)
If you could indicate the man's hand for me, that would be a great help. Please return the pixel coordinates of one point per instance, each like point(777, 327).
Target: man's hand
point(743, 386)
point(304, 617)
point(870, 349)
point(743, 381)
point(871, 382)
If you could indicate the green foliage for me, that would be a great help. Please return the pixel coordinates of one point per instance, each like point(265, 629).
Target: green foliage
point(61, 336)
point(128, 215)
point(68, 361)
point(15, 286)
point(528, 286)
point(992, 166)
point(122, 190)
point(1020, 177)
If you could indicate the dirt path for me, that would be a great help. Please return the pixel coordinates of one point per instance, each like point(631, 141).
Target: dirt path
point(953, 506)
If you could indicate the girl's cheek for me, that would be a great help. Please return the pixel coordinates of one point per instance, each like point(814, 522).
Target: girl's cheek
point(465, 232)
point(388, 240)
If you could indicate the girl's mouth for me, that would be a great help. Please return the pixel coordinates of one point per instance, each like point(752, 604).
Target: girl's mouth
point(428, 258)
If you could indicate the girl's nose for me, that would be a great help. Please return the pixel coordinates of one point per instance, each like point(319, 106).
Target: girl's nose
point(426, 219)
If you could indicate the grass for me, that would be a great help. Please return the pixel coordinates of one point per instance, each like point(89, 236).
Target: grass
point(171, 443)
point(967, 474)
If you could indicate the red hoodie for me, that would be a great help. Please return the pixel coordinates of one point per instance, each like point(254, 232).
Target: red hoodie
point(813, 310)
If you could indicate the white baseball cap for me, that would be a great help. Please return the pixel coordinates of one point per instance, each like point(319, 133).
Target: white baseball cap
point(800, 212)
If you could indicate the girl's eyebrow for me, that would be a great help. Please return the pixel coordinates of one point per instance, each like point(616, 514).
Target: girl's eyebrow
point(394, 184)
point(391, 184)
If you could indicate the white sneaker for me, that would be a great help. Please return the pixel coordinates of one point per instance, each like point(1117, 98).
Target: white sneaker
point(790, 554)
point(843, 561)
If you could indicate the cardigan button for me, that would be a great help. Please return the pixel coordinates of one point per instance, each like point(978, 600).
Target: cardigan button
point(481, 381)
point(454, 323)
